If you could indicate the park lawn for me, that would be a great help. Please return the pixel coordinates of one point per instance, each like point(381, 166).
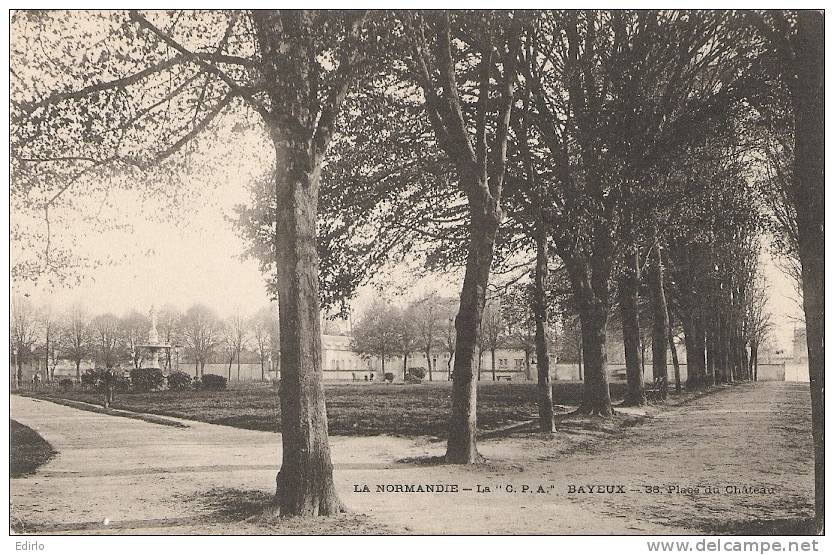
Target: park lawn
point(27, 450)
point(352, 409)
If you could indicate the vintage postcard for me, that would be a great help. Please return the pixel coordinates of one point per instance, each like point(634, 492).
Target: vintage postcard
point(418, 272)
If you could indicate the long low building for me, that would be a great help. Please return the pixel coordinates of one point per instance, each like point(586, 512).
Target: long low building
point(340, 362)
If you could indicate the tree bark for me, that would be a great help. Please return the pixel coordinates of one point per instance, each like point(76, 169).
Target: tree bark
point(660, 320)
point(428, 362)
point(304, 485)
point(545, 390)
point(695, 345)
point(596, 398)
point(461, 446)
point(629, 295)
point(809, 201)
point(589, 277)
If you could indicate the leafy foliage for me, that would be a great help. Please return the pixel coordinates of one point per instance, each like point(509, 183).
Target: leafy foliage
point(179, 381)
point(213, 382)
point(143, 380)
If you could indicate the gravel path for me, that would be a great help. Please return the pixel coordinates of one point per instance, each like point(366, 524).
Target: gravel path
point(117, 475)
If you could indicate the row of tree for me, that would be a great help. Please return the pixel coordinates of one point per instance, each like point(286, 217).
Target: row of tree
point(617, 141)
point(75, 335)
point(427, 326)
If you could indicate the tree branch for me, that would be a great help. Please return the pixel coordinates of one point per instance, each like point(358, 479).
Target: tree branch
point(236, 88)
point(344, 77)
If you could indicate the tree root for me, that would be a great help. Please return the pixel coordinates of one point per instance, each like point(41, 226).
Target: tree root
point(583, 410)
point(475, 458)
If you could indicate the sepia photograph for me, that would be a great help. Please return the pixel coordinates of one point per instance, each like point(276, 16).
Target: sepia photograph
point(418, 272)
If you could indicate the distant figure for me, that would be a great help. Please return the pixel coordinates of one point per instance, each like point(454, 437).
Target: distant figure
point(366, 377)
point(109, 381)
point(372, 376)
point(36, 380)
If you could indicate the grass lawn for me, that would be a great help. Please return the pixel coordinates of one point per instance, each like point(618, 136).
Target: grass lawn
point(352, 409)
point(27, 450)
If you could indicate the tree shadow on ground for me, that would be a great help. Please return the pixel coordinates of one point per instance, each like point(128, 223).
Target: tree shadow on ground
point(229, 503)
point(801, 526)
point(251, 512)
point(218, 511)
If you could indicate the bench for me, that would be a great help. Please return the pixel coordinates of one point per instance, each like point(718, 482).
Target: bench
point(658, 390)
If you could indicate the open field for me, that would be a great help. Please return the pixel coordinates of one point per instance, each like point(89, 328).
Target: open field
point(352, 409)
point(27, 450)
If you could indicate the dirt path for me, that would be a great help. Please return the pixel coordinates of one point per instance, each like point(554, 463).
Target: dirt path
point(115, 475)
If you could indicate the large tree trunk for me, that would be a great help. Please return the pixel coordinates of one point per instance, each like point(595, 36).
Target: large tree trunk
point(461, 446)
point(809, 199)
point(596, 398)
point(492, 352)
point(428, 362)
point(629, 295)
point(78, 370)
point(696, 344)
point(545, 391)
point(304, 485)
point(660, 320)
point(589, 277)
